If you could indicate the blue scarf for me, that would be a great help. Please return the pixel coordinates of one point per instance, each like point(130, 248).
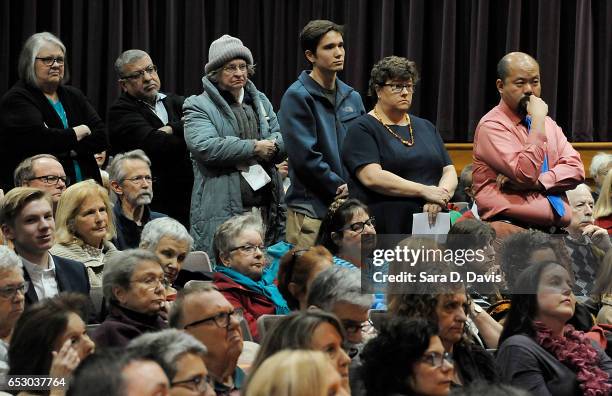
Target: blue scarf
point(264, 286)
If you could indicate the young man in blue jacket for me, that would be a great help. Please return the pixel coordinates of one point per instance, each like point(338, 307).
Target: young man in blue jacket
point(314, 116)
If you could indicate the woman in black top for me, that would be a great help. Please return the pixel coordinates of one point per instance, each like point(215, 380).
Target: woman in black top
point(41, 115)
point(397, 161)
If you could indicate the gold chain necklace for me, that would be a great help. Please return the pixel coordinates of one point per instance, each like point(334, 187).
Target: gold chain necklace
point(405, 142)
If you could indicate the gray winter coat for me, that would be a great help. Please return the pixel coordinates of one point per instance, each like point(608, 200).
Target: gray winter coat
point(216, 151)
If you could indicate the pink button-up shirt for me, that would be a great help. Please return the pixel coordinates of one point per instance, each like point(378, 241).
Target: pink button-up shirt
point(503, 145)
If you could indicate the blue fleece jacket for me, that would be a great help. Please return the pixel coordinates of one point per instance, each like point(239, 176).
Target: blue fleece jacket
point(313, 130)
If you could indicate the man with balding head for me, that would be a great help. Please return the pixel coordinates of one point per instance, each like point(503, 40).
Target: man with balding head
point(522, 160)
point(203, 312)
point(42, 171)
point(586, 243)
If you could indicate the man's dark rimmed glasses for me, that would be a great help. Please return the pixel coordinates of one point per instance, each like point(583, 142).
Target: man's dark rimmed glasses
point(353, 327)
point(138, 74)
point(11, 291)
point(52, 179)
point(221, 319)
point(359, 226)
point(436, 359)
point(198, 383)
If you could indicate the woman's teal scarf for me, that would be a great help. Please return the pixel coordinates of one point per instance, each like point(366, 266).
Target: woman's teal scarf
point(264, 286)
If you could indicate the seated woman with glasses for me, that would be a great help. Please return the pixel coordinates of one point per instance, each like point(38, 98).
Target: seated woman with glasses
point(242, 275)
point(40, 114)
point(84, 228)
point(181, 357)
point(447, 304)
point(341, 232)
point(298, 268)
point(539, 351)
point(134, 288)
point(312, 330)
point(296, 373)
point(397, 161)
point(233, 135)
point(406, 358)
point(346, 221)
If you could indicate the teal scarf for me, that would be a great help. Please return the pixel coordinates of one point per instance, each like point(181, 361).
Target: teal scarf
point(265, 286)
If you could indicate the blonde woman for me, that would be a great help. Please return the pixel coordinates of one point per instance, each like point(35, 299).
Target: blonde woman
point(84, 227)
point(296, 373)
point(603, 207)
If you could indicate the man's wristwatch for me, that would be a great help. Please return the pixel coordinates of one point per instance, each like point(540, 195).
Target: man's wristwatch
point(476, 310)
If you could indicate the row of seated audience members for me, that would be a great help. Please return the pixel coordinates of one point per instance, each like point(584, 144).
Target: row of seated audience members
point(140, 287)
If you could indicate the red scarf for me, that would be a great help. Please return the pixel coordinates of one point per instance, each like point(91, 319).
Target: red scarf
point(575, 351)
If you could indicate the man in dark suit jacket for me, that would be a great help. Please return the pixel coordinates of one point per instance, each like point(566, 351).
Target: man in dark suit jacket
point(26, 217)
point(144, 118)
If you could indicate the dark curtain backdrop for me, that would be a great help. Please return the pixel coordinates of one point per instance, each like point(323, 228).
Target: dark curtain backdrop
point(455, 43)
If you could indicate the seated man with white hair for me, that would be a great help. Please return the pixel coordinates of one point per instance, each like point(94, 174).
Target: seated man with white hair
point(586, 242)
point(170, 241)
point(12, 299)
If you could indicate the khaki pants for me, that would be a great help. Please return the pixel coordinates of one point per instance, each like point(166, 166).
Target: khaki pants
point(302, 230)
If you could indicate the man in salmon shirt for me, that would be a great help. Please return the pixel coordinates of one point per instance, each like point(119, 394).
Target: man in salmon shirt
point(523, 162)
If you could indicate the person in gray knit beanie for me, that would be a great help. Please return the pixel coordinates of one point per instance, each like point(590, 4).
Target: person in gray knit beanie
point(225, 49)
point(234, 138)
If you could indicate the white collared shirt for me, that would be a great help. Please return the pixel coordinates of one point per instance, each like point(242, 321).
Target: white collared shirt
point(159, 109)
point(43, 280)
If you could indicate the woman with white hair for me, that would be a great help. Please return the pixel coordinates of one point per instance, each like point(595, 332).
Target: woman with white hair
point(242, 273)
point(181, 356)
point(170, 241)
point(84, 228)
point(40, 114)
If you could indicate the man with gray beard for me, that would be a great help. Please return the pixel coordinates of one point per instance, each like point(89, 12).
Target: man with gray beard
point(132, 185)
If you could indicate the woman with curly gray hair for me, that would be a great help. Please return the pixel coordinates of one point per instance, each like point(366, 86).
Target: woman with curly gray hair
point(397, 161)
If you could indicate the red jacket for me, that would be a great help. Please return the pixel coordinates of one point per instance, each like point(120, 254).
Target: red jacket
point(253, 304)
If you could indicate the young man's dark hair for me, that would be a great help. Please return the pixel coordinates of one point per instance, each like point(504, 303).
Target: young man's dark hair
point(314, 30)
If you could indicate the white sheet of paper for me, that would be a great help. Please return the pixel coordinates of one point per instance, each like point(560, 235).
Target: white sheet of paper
point(420, 224)
point(256, 176)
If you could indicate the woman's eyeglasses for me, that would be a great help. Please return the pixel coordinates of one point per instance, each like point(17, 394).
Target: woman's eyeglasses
point(436, 359)
point(359, 226)
point(398, 88)
point(50, 60)
point(198, 384)
point(249, 249)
